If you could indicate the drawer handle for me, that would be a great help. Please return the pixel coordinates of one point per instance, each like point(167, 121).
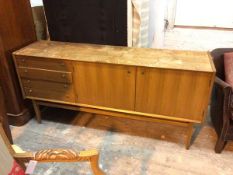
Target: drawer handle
point(25, 70)
point(63, 75)
point(28, 81)
point(62, 64)
point(23, 60)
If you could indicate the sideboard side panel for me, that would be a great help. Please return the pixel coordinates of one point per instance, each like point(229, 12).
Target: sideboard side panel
point(105, 85)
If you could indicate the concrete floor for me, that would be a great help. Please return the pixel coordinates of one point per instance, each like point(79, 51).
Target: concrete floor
point(127, 147)
point(130, 147)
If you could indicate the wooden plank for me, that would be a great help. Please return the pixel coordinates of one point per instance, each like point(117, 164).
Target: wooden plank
point(183, 94)
point(112, 113)
point(156, 116)
point(105, 85)
point(145, 57)
point(43, 74)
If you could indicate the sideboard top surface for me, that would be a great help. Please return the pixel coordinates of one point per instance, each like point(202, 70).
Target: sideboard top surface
point(145, 57)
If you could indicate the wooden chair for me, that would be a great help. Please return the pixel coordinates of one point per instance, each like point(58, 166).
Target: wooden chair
point(9, 152)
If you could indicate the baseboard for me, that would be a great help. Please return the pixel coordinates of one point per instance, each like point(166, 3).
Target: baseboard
point(20, 118)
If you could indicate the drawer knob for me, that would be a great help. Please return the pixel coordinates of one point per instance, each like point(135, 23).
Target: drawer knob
point(128, 72)
point(23, 60)
point(30, 90)
point(63, 75)
point(28, 81)
point(26, 70)
point(65, 86)
point(62, 64)
point(143, 73)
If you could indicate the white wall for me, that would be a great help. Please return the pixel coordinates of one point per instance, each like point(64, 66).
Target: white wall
point(36, 3)
point(210, 13)
point(157, 23)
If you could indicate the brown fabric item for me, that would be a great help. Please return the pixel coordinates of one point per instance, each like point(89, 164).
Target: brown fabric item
point(87, 21)
point(222, 98)
point(228, 65)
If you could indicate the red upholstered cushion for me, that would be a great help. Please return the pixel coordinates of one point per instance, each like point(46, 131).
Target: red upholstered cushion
point(16, 170)
point(228, 65)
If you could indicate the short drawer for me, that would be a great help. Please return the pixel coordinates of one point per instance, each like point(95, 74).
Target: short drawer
point(42, 63)
point(48, 90)
point(42, 74)
point(46, 85)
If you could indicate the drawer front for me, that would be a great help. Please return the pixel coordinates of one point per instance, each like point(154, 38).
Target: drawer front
point(42, 63)
point(46, 85)
point(49, 75)
point(48, 90)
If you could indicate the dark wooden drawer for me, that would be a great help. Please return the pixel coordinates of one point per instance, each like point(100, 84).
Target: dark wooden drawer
point(48, 90)
point(46, 85)
point(42, 63)
point(42, 74)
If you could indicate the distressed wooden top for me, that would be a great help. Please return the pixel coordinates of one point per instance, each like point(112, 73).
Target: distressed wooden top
point(146, 57)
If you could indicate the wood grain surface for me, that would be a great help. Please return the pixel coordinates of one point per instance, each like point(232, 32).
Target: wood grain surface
point(105, 85)
point(182, 94)
point(156, 58)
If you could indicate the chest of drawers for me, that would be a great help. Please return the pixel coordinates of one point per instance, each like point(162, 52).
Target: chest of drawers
point(143, 84)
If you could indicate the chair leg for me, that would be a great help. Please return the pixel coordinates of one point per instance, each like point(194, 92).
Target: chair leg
point(94, 160)
point(189, 135)
point(220, 145)
point(221, 142)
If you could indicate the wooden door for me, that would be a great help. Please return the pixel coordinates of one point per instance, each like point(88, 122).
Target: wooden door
point(180, 94)
point(105, 85)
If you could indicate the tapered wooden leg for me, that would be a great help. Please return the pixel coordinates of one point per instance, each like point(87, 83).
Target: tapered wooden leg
point(37, 111)
point(189, 135)
point(220, 145)
point(95, 165)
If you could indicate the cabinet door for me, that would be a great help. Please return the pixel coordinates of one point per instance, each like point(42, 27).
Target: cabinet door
point(174, 93)
point(105, 85)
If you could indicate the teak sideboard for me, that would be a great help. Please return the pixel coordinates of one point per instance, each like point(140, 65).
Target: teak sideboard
point(138, 83)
